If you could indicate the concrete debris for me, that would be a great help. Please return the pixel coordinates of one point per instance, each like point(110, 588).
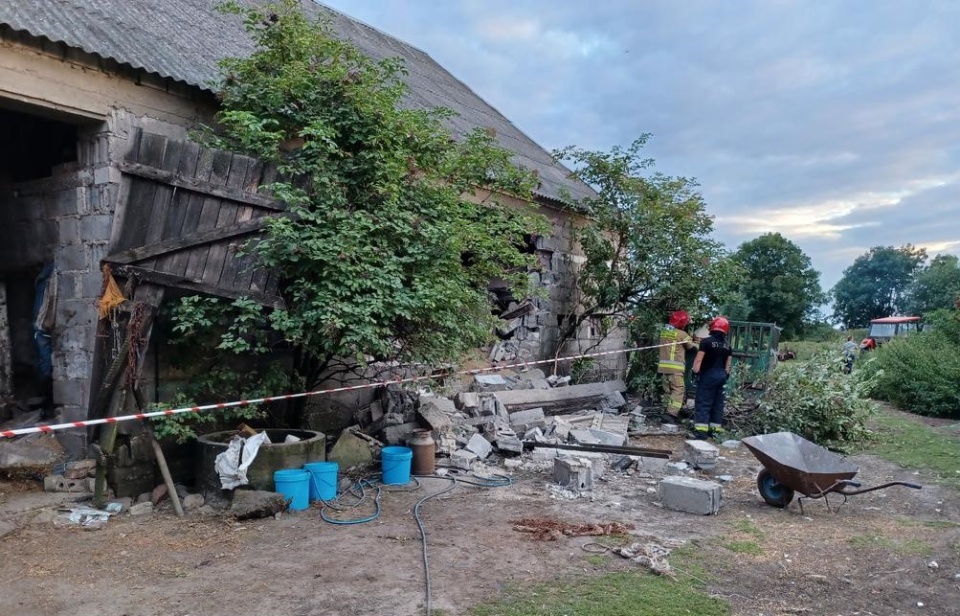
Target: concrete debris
point(437, 412)
point(558, 381)
point(690, 495)
point(573, 473)
point(463, 459)
point(490, 382)
point(509, 444)
point(700, 454)
point(350, 450)
point(731, 444)
point(193, 502)
point(557, 401)
point(479, 446)
point(677, 468)
point(141, 508)
point(80, 469)
point(651, 555)
point(59, 483)
point(467, 401)
point(525, 420)
point(33, 452)
point(654, 466)
point(399, 434)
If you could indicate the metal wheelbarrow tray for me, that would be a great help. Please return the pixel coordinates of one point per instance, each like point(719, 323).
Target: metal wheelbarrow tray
point(792, 464)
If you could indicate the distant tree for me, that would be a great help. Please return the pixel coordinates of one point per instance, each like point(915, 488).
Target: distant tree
point(936, 286)
point(876, 285)
point(649, 248)
point(780, 285)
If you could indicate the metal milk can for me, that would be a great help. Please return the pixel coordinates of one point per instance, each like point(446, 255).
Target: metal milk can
point(424, 452)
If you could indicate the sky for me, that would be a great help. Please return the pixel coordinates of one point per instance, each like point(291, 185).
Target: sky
point(835, 123)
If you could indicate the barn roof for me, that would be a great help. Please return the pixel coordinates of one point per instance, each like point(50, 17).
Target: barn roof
point(183, 40)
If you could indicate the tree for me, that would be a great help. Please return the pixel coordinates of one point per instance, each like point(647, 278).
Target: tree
point(385, 255)
point(937, 286)
point(648, 248)
point(780, 284)
point(876, 285)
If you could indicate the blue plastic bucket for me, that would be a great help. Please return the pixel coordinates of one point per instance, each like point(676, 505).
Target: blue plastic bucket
point(323, 480)
point(294, 483)
point(396, 465)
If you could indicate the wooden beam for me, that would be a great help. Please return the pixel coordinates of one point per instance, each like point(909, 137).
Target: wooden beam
point(169, 280)
point(194, 185)
point(197, 238)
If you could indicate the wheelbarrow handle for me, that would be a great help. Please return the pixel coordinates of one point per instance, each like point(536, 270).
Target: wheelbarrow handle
point(845, 492)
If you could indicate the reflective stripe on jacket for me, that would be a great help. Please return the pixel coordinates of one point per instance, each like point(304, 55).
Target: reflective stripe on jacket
point(673, 356)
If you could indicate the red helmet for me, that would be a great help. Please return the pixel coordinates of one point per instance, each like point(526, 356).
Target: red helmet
point(679, 319)
point(720, 324)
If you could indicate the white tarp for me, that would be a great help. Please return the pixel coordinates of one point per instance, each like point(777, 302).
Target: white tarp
point(232, 471)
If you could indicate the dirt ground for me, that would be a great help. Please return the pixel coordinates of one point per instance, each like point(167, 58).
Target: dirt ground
point(889, 552)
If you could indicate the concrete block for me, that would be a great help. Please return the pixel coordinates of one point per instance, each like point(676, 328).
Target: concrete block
point(584, 436)
point(654, 466)
point(543, 454)
point(700, 454)
point(463, 459)
point(398, 435)
point(437, 412)
point(96, 227)
point(605, 437)
point(509, 444)
point(677, 468)
point(573, 473)
point(731, 444)
point(350, 450)
point(480, 446)
point(525, 420)
point(614, 400)
point(51, 482)
point(467, 400)
point(691, 495)
point(490, 382)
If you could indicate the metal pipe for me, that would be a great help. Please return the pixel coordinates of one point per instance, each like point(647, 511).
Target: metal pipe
point(627, 451)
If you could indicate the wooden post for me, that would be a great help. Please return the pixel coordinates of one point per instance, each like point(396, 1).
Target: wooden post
point(158, 454)
point(151, 296)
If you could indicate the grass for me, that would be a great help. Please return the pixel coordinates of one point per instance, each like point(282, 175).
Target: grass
point(632, 593)
point(743, 547)
point(748, 527)
point(913, 444)
point(910, 547)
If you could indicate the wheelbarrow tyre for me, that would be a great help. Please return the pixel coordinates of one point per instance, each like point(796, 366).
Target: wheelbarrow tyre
point(772, 491)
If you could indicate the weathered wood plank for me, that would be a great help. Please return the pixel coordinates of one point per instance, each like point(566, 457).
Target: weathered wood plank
point(196, 239)
point(195, 184)
point(186, 167)
point(142, 193)
point(242, 268)
point(208, 214)
point(221, 252)
point(164, 194)
point(180, 282)
point(194, 207)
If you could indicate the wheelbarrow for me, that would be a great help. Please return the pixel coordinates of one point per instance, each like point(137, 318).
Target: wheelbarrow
point(792, 464)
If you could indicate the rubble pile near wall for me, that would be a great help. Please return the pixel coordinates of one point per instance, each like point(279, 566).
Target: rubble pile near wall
point(519, 332)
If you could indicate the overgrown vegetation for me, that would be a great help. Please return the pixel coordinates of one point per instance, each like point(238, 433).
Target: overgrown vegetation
point(812, 398)
point(648, 250)
point(616, 594)
point(382, 257)
point(921, 373)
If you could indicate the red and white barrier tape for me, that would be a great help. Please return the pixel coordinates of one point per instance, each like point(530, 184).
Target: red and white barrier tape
point(223, 405)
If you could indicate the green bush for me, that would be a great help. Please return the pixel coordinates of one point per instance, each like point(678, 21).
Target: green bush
point(816, 400)
point(921, 373)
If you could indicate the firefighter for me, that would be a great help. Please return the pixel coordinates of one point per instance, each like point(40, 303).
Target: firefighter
point(712, 365)
point(673, 361)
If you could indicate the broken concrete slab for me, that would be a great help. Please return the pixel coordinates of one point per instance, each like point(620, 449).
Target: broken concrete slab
point(700, 454)
point(527, 419)
point(534, 374)
point(437, 412)
point(691, 495)
point(654, 466)
point(509, 444)
point(350, 450)
point(249, 504)
point(480, 446)
point(467, 401)
point(613, 400)
point(35, 452)
point(558, 401)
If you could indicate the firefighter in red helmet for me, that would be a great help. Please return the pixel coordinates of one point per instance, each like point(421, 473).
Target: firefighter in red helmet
point(672, 362)
point(713, 367)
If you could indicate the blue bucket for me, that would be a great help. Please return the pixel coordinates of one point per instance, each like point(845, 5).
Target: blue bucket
point(323, 480)
point(396, 465)
point(294, 483)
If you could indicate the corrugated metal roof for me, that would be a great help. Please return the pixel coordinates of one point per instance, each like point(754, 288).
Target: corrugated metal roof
point(184, 39)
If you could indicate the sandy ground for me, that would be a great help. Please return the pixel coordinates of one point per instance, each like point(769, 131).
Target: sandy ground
point(872, 556)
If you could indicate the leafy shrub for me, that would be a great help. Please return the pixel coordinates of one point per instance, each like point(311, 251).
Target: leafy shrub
point(920, 373)
point(816, 400)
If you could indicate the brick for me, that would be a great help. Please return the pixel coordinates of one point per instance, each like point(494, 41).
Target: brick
point(700, 454)
point(691, 495)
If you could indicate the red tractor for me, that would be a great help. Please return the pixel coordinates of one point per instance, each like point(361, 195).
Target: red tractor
point(882, 330)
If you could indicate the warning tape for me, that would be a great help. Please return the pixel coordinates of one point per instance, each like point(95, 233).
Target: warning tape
point(306, 394)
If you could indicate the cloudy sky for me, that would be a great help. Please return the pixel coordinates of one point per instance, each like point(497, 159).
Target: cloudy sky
point(836, 123)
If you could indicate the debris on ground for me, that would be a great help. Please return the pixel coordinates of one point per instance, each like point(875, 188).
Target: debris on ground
point(652, 555)
point(544, 529)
